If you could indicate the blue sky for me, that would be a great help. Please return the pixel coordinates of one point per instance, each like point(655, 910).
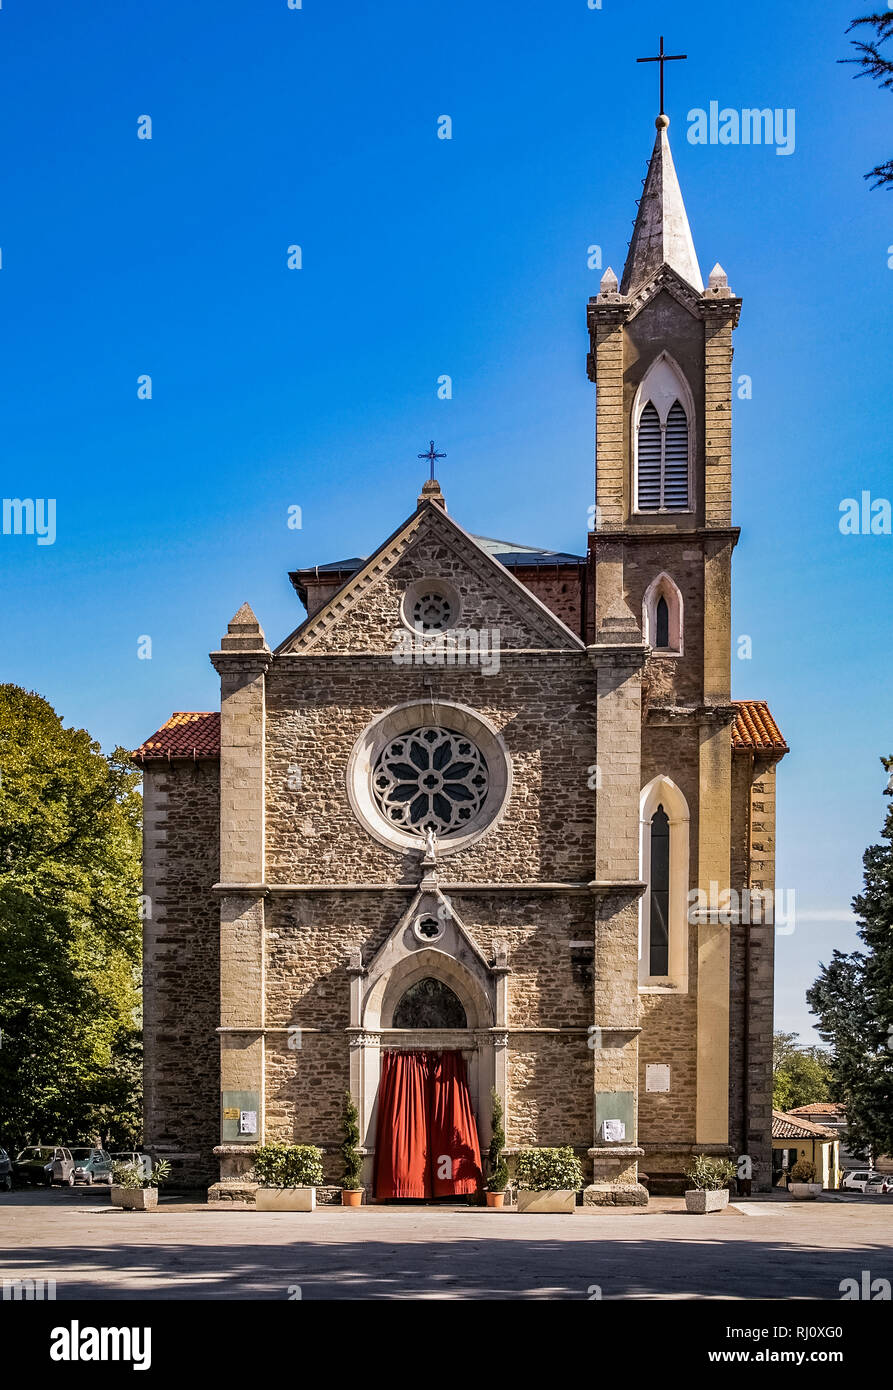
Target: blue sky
point(317, 388)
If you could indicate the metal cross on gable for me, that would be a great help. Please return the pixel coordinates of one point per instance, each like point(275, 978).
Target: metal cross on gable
point(432, 456)
point(662, 58)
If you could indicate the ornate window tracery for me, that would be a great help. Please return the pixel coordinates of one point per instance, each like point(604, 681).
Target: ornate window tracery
point(430, 778)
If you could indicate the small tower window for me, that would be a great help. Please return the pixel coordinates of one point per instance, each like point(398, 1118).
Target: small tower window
point(663, 623)
point(662, 616)
point(662, 430)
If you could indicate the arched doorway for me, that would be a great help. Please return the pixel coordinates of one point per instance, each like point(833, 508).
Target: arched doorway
point(427, 1144)
point(427, 990)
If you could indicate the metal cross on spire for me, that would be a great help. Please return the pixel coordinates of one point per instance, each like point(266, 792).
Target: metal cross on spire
point(432, 456)
point(662, 58)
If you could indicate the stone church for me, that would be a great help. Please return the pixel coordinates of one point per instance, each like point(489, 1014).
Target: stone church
point(474, 823)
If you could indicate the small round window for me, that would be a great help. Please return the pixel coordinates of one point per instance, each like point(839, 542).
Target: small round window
point(431, 613)
point(430, 606)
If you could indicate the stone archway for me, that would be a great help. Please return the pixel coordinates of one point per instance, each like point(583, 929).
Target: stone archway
point(480, 990)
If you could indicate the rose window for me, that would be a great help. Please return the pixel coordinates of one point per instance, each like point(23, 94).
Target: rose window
point(430, 779)
point(431, 612)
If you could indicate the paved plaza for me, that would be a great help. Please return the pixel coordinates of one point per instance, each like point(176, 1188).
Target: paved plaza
point(763, 1248)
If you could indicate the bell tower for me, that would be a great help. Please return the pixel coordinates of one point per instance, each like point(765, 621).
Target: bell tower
point(660, 555)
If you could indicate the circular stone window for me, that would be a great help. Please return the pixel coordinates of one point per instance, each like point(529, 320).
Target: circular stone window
point(427, 928)
point(430, 779)
point(430, 606)
point(429, 766)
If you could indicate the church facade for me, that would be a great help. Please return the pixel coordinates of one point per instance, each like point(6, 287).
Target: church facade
point(489, 814)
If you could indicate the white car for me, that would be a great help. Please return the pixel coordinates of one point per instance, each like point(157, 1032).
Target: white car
point(857, 1179)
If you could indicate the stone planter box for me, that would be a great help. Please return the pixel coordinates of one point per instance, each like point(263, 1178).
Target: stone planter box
point(552, 1200)
point(285, 1199)
point(700, 1200)
point(805, 1191)
point(134, 1198)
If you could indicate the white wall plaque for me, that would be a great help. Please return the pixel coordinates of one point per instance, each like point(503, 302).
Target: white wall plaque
point(657, 1077)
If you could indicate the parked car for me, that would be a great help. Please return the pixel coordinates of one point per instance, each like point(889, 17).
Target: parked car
point(90, 1166)
point(42, 1165)
point(5, 1171)
point(142, 1162)
point(857, 1179)
point(879, 1184)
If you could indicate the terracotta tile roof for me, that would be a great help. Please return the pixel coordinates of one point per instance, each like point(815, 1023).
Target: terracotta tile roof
point(819, 1110)
point(755, 728)
point(185, 735)
point(785, 1126)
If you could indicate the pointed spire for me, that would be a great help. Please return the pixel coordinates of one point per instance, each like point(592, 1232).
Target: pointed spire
point(661, 235)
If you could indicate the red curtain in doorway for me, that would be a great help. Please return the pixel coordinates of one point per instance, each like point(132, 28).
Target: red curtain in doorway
point(402, 1160)
point(426, 1144)
point(455, 1154)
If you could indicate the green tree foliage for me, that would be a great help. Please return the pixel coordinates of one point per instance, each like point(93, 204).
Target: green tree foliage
point(497, 1168)
point(801, 1075)
point(69, 932)
point(873, 63)
point(853, 999)
point(353, 1159)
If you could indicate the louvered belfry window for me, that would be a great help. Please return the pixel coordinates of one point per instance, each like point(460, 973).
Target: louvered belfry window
point(663, 460)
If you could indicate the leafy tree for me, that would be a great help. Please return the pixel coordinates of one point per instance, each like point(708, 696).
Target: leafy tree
point(873, 63)
point(801, 1075)
point(69, 931)
point(853, 999)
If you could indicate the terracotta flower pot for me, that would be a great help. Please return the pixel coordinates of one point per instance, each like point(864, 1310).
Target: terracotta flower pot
point(495, 1199)
point(351, 1196)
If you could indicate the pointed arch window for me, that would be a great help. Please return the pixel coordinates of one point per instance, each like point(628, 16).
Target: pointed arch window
point(662, 419)
point(664, 868)
point(662, 611)
point(659, 915)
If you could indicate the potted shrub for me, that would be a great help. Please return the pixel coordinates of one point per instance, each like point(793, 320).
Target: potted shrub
point(548, 1179)
point(710, 1178)
point(288, 1176)
point(497, 1169)
point(802, 1185)
point(351, 1187)
point(130, 1188)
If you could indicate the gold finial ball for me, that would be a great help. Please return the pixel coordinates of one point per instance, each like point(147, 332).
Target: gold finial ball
point(662, 121)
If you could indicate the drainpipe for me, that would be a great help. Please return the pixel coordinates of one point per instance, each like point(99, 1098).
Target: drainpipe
point(745, 1080)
